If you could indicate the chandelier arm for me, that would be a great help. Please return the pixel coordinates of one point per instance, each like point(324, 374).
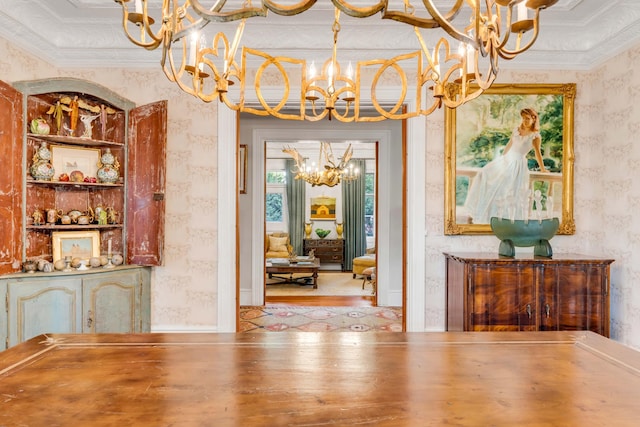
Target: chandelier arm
point(359, 12)
point(213, 14)
point(411, 19)
point(445, 21)
point(510, 54)
point(283, 10)
point(156, 38)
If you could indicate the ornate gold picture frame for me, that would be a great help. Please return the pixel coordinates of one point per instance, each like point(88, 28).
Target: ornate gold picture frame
point(478, 131)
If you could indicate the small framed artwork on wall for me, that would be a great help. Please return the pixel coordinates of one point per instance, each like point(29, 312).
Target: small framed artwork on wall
point(323, 208)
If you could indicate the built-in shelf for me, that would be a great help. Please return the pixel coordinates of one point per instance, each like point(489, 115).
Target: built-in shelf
point(74, 140)
point(57, 227)
point(73, 184)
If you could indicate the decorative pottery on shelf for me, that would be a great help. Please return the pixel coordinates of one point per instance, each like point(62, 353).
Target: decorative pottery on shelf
point(339, 229)
point(41, 168)
point(308, 227)
point(525, 233)
point(322, 233)
point(109, 169)
point(39, 126)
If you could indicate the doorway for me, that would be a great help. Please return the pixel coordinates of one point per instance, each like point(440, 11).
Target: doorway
point(254, 131)
point(334, 221)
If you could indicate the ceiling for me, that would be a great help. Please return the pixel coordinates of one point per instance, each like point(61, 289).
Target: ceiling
point(575, 34)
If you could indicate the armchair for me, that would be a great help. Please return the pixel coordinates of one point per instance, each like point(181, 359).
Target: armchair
point(275, 245)
point(361, 263)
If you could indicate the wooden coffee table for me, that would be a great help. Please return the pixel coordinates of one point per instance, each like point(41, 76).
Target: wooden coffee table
point(294, 268)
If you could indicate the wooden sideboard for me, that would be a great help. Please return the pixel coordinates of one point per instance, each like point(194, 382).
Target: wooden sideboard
point(329, 251)
point(487, 292)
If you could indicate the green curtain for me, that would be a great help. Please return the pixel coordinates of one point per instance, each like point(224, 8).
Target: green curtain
point(353, 216)
point(295, 201)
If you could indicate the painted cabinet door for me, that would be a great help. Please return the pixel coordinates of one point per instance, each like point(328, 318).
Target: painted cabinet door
point(40, 305)
point(11, 130)
point(111, 302)
point(146, 184)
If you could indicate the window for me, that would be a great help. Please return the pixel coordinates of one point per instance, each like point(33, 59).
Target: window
point(276, 210)
point(369, 204)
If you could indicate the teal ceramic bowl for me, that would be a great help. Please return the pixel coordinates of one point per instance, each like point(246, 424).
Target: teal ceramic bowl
point(523, 233)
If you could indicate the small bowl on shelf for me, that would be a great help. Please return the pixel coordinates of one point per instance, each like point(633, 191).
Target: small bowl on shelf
point(322, 233)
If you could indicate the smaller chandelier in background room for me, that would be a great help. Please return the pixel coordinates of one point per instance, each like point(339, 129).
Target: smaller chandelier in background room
point(453, 58)
point(327, 171)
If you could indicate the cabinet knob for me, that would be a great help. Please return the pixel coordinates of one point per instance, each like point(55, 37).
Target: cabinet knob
point(89, 318)
point(547, 309)
point(529, 310)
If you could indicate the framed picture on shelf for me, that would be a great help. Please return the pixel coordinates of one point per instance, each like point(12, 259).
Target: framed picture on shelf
point(71, 159)
point(76, 244)
point(491, 167)
point(242, 169)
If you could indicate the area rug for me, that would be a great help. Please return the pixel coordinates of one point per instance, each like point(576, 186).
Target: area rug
point(320, 319)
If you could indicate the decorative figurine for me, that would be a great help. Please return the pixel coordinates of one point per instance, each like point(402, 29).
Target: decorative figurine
point(86, 120)
point(38, 217)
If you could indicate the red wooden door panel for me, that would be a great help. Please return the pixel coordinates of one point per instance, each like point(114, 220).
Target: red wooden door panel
point(11, 131)
point(146, 184)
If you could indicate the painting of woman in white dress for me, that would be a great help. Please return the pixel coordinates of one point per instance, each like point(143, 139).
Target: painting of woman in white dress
point(503, 182)
point(509, 154)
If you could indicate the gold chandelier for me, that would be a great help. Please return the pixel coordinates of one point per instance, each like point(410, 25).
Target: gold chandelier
point(458, 67)
point(327, 171)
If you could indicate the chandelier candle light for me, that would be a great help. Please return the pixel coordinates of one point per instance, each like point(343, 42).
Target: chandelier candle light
point(461, 64)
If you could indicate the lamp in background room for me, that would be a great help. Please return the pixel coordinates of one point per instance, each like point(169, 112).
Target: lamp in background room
point(471, 36)
point(328, 171)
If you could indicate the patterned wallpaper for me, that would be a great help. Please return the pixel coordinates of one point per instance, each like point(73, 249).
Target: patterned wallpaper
point(607, 120)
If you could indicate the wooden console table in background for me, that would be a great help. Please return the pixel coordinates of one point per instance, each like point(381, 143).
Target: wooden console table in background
point(487, 292)
point(345, 379)
point(330, 251)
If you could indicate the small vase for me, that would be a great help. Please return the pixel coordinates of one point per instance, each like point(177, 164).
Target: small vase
point(108, 172)
point(308, 227)
point(339, 229)
point(43, 152)
point(42, 170)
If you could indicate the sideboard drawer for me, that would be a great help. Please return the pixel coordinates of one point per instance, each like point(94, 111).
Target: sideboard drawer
point(329, 251)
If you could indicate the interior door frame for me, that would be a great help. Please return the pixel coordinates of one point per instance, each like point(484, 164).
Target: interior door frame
point(375, 143)
point(385, 296)
point(227, 306)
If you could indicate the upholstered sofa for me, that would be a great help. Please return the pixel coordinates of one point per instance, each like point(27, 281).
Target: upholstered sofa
point(275, 245)
point(363, 262)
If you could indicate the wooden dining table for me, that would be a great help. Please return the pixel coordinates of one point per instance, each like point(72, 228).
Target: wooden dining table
point(321, 379)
